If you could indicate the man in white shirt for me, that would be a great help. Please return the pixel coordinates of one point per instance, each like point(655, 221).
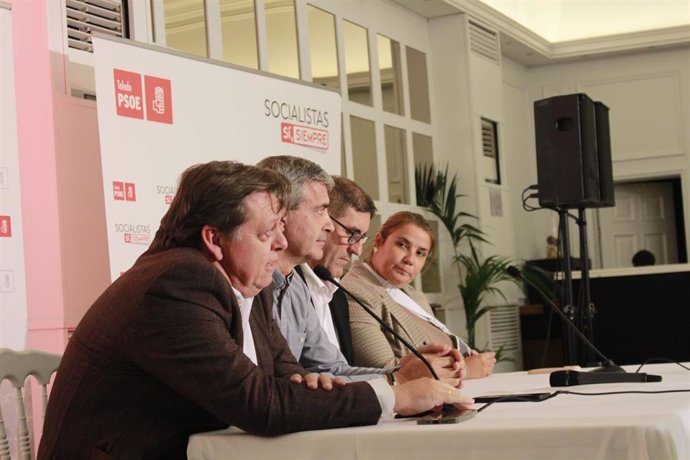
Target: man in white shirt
point(351, 211)
point(307, 228)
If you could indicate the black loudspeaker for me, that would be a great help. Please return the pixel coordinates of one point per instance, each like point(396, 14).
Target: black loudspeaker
point(568, 157)
point(606, 196)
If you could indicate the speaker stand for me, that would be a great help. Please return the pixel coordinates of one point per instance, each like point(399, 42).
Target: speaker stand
point(586, 307)
point(581, 314)
point(567, 299)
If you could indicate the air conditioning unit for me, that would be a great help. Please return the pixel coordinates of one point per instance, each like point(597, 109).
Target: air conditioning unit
point(504, 334)
point(84, 17)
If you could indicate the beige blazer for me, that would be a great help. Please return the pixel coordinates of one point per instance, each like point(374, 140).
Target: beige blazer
point(372, 346)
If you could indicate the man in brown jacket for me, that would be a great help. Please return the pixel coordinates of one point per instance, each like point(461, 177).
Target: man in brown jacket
point(184, 342)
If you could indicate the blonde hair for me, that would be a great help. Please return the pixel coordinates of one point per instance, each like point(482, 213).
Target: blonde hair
point(400, 219)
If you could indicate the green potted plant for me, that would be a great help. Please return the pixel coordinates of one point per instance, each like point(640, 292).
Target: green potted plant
point(481, 277)
point(437, 192)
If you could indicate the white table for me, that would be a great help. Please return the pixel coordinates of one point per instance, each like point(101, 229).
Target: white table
point(565, 427)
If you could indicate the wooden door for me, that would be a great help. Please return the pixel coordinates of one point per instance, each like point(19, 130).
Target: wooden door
point(643, 218)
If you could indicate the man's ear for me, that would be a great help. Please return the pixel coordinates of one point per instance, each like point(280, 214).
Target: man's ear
point(210, 240)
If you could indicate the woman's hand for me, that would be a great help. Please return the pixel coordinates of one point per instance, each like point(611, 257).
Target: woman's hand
point(448, 363)
point(480, 364)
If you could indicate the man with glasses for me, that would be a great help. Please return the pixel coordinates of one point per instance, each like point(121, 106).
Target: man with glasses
point(307, 228)
point(351, 210)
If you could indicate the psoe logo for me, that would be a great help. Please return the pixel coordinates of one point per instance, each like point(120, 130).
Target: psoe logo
point(128, 95)
point(124, 191)
point(158, 99)
point(304, 135)
point(5, 226)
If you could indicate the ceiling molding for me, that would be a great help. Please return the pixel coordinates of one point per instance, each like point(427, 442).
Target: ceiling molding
point(525, 46)
point(672, 36)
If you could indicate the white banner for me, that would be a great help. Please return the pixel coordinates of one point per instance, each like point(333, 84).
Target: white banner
point(160, 112)
point(13, 312)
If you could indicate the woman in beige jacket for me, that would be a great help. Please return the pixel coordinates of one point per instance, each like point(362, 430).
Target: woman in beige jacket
point(400, 250)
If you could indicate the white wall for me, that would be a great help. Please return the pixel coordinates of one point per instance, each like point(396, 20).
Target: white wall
point(468, 88)
point(520, 161)
point(648, 95)
point(453, 144)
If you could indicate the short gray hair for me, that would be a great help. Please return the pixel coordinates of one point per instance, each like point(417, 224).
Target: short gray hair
point(298, 172)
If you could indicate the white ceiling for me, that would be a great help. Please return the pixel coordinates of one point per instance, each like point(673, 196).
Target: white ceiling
point(541, 32)
point(565, 20)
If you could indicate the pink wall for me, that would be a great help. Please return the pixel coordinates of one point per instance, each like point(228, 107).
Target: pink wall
point(36, 144)
point(40, 190)
point(39, 197)
point(65, 246)
point(85, 259)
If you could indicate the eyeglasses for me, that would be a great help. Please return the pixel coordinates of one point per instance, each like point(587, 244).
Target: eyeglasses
point(355, 236)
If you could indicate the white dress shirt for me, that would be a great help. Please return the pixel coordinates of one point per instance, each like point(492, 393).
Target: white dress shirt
point(401, 297)
point(248, 346)
point(321, 294)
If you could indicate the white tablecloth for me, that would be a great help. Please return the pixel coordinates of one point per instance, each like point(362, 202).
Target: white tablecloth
point(638, 426)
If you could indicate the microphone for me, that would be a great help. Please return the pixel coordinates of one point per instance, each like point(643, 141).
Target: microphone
point(609, 366)
point(570, 378)
point(323, 273)
point(448, 410)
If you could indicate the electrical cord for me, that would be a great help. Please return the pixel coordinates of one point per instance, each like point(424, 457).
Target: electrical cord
point(660, 360)
point(517, 398)
point(526, 197)
point(549, 321)
point(579, 393)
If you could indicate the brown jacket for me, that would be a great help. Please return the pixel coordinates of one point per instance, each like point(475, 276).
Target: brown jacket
point(158, 357)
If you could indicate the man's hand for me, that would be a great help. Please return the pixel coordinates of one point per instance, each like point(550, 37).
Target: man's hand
point(424, 394)
point(446, 361)
point(480, 364)
point(314, 380)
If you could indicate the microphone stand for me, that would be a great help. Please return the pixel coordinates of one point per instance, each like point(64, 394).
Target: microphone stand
point(323, 273)
point(608, 364)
